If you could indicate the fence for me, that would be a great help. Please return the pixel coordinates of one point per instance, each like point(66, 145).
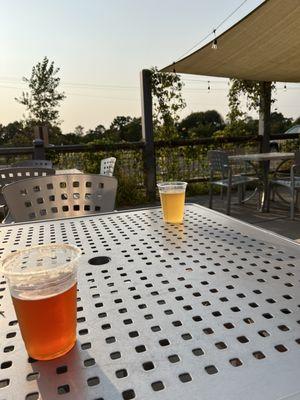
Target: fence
point(179, 159)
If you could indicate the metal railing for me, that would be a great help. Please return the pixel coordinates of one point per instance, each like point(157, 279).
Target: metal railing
point(177, 159)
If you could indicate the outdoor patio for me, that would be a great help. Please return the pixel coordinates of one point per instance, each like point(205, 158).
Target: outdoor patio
point(115, 285)
point(277, 220)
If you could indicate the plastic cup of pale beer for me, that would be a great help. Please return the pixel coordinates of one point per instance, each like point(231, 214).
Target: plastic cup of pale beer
point(172, 196)
point(43, 286)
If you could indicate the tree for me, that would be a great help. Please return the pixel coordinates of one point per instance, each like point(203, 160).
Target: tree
point(16, 133)
point(213, 118)
point(251, 90)
point(201, 124)
point(132, 132)
point(100, 129)
point(79, 130)
point(118, 124)
point(239, 123)
point(168, 102)
point(279, 123)
point(251, 125)
point(2, 133)
point(43, 98)
point(70, 138)
point(55, 135)
point(297, 121)
point(95, 134)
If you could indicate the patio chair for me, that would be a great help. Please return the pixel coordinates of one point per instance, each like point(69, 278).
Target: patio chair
point(291, 183)
point(219, 165)
point(60, 196)
point(34, 163)
point(12, 174)
point(107, 166)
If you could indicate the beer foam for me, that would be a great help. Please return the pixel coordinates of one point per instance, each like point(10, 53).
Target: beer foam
point(30, 290)
point(172, 191)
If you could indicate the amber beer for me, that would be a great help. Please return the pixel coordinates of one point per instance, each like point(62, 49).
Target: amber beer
point(43, 286)
point(172, 196)
point(172, 205)
point(48, 325)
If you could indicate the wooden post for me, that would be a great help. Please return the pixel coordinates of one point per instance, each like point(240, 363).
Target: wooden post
point(39, 149)
point(42, 132)
point(264, 129)
point(264, 126)
point(148, 137)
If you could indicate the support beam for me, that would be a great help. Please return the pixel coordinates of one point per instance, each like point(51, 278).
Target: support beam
point(264, 129)
point(39, 149)
point(264, 126)
point(148, 137)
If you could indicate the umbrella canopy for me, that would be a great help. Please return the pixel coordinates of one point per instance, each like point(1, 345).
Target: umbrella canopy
point(263, 46)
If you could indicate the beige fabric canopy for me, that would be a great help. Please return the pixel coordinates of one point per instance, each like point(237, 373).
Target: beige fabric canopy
point(264, 46)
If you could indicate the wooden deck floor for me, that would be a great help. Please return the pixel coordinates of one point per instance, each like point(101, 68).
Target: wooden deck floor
point(277, 220)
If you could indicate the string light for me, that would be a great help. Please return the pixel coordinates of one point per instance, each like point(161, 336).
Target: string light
point(284, 88)
point(214, 45)
point(208, 86)
point(210, 33)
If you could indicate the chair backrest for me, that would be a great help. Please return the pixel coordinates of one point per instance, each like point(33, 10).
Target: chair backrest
point(60, 196)
point(107, 166)
point(13, 174)
point(218, 161)
point(34, 163)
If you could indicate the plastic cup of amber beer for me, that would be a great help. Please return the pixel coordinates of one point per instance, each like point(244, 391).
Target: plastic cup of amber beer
point(43, 286)
point(172, 196)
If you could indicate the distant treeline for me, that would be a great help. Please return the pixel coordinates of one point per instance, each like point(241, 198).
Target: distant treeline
point(126, 128)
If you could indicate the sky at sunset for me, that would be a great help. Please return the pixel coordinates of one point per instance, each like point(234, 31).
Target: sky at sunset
point(101, 46)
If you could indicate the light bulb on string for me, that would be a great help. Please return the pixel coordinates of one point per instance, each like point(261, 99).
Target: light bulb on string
point(208, 86)
point(214, 45)
point(284, 88)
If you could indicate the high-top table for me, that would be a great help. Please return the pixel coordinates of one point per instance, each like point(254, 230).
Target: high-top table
point(68, 171)
point(263, 172)
point(274, 156)
point(206, 310)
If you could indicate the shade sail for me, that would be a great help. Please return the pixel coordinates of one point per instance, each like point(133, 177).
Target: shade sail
point(263, 46)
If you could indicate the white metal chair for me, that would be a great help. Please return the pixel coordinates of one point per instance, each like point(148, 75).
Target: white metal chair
point(34, 163)
point(107, 166)
point(219, 165)
point(13, 174)
point(291, 183)
point(60, 196)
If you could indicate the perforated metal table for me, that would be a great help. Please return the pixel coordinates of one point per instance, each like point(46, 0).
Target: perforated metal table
point(68, 171)
point(263, 171)
point(274, 156)
point(206, 310)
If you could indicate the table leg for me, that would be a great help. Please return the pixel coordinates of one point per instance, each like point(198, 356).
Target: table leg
point(256, 191)
point(275, 189)
point(265, 203)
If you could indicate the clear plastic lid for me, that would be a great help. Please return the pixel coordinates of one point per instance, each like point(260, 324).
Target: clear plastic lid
point(172, 187)
point(41, 271)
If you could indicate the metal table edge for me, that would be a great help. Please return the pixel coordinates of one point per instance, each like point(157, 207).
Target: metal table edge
point(229, 217)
